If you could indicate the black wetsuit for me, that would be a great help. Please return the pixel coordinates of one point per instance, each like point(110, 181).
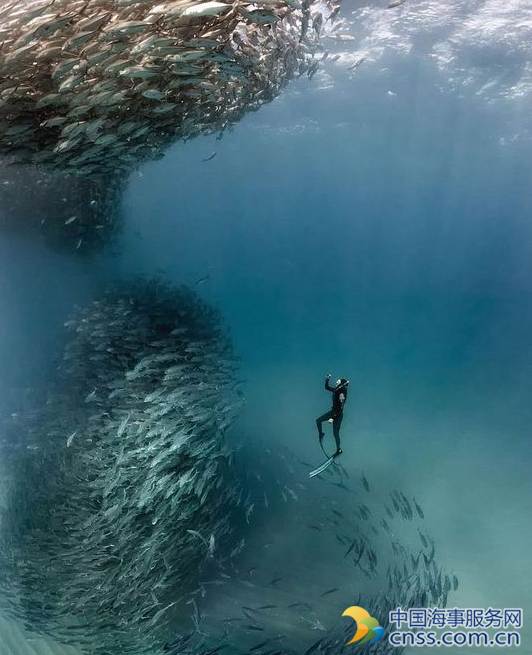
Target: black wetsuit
point(337, 411)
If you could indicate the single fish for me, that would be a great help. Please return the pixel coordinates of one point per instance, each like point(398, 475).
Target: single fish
point(202, 279)
point(351, 548)
point(357, 561)
point(356, 63)
point(419, 510)
point(195, 533)
point(70, 439)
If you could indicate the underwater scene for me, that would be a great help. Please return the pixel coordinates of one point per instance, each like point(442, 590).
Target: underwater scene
point(265, 327)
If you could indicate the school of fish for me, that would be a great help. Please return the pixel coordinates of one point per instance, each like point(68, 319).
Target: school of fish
point(378, 553)
point(119, 480)
point(95, 87)
point(133, 521)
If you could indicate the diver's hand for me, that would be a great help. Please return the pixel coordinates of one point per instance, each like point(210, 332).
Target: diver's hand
point(328, 376)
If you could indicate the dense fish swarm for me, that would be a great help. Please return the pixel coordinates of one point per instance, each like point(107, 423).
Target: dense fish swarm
point(97, 86)
point(340, 541)
point(120, 484)
point(132, 526)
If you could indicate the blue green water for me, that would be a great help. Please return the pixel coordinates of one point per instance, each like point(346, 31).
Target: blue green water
point(378, 229)
point(387, 240)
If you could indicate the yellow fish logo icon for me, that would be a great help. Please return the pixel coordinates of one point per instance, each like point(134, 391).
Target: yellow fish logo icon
point(368, 628)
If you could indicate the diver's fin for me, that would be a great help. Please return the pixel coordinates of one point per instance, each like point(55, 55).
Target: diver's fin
point(321, 468)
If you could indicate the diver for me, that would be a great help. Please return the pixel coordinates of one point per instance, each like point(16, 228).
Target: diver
point(336, 414)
